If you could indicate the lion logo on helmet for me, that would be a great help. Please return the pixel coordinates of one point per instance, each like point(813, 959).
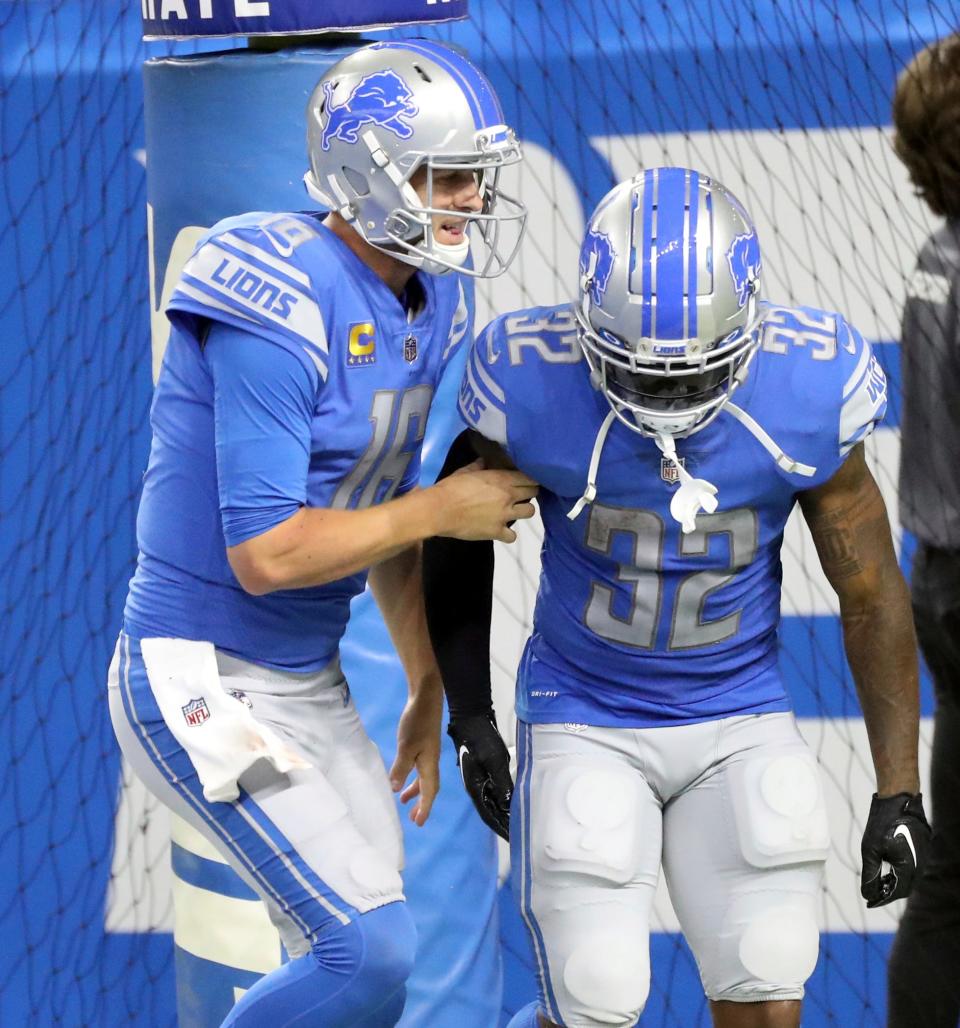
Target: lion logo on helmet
point(382, 98)
point(596, 261)
point(743, 259)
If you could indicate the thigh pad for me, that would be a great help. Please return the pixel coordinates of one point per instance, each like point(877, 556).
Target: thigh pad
point(587, 819)
point(779, 809)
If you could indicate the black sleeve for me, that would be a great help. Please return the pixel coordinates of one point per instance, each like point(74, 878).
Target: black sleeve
point(458, 592)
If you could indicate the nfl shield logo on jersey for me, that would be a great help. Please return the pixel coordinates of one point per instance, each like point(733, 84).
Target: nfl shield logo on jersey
point(668, 470)
point(410, 349)
point(196, 712)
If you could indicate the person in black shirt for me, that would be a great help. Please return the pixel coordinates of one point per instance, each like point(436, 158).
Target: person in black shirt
point(923, 983)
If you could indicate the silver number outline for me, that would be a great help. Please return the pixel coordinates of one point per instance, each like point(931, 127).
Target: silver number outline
point(384, 457)
point(688, 630)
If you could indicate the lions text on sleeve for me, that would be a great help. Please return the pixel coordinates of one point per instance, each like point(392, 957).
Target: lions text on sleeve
point(322, 401)
point(637, 623)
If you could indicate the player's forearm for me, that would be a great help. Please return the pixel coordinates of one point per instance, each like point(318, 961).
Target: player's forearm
point(458, 596)
point(848, 520)
point(882, 652)
point(458, 588)
point(318, 545)
point(397, 586)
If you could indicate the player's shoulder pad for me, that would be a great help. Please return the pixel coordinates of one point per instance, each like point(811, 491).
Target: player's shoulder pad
point(250, 272)
point(507, 363)
point(828, 369)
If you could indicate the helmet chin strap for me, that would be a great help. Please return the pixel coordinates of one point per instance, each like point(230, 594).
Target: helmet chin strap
point(590, 493)
point(693, 496)
point(454, 256)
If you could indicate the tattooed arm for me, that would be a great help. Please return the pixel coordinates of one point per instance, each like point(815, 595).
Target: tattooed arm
point(848, 521)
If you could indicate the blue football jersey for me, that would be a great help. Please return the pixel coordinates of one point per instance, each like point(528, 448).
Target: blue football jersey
point(636, 623)
point(327, 407)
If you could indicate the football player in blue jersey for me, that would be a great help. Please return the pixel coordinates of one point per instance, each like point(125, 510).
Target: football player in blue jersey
point(673, 419)
point(287, 425)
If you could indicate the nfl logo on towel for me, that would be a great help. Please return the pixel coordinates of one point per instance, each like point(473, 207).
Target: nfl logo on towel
point(196, 712)
point(410, 349)
point(668, 470)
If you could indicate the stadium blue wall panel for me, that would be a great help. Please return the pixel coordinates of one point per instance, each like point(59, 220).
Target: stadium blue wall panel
point(74, 396)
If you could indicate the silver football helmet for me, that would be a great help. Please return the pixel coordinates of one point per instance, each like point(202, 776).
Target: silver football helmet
point(668, 308)
point(385, 111)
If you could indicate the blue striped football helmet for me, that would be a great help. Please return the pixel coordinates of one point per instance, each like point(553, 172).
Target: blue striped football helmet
point(668, 308)
point(385, 111)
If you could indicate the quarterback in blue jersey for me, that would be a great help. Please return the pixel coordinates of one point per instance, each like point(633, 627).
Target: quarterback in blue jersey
point(673, 419)
point(287, 425)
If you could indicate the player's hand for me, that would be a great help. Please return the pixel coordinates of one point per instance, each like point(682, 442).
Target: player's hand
point(479, 504)
point(897, 835)
point(418, 747)
point(485, 767)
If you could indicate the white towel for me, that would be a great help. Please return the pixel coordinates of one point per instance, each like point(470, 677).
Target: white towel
point(218, 731)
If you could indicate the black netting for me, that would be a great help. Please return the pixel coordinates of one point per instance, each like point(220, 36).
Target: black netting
point(787, 103)
point(74, 396)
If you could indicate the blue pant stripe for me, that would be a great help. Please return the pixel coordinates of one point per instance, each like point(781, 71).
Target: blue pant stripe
point(306, 891)
point(176, 767)
point(525, 741)
point(314, 887)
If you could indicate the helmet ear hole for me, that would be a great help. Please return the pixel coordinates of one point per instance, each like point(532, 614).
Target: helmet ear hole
point(356, 181)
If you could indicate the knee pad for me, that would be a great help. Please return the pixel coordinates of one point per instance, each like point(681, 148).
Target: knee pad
point(378, 947)
point(780, 945)
point(766, 949)
point(608, 979)
point(780, 810)
point(586, 820)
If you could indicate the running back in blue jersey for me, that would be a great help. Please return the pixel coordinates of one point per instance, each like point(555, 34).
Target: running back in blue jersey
point(343, 371)
point(637, 623)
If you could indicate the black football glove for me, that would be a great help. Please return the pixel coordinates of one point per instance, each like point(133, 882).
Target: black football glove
point(485, 767)
point(897, 833)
